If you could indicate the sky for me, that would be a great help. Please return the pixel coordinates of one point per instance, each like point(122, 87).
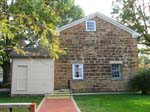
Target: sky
point(91, 6)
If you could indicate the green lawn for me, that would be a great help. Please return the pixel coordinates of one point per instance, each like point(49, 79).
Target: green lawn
point(5, 98)
point(113, 103)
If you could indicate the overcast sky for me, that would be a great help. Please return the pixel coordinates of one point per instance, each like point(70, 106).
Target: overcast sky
point(91, 6)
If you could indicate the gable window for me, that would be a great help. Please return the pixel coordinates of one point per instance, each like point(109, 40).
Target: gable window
point(116, 71)
point(90, 25)
point(77, 71)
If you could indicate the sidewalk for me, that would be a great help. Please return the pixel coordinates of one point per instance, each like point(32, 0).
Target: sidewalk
point(58, 105)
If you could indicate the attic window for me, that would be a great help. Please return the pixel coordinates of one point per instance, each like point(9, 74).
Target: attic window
point(90, 25)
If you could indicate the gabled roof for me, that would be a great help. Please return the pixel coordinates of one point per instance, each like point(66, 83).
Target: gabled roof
point(101, 16)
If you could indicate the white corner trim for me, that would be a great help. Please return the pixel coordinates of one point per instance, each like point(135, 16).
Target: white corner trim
point(115, 62)
point(97, 14)
point(135, 35)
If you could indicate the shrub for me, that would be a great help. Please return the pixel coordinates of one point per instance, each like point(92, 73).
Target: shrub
point(141, 81)
point(4, 85)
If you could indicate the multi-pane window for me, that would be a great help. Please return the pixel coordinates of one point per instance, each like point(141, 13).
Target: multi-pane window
point(116, 71)
point(77, 71)
point(90, 25)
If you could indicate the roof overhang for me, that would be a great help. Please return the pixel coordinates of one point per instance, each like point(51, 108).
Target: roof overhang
point(101, 16)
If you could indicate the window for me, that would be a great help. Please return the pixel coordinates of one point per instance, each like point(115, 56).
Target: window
point(77, 71)
point(116, 71)
point(90, 25)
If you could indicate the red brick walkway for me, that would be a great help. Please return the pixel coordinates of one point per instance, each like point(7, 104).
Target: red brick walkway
point(58, 105)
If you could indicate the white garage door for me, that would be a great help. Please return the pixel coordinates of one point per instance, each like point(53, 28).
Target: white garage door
point(32, 76)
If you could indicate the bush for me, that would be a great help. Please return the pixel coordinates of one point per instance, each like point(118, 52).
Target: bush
point(141, 81)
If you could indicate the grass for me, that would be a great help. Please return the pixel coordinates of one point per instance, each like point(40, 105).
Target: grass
point(114, 103)
point(5, 98)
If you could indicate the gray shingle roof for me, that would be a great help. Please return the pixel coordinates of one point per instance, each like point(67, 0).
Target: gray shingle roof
point(32, 52)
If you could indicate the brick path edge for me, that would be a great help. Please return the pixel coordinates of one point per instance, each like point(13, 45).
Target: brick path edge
point(75, 104)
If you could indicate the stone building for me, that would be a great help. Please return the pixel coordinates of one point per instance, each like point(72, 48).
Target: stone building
point(101, 55)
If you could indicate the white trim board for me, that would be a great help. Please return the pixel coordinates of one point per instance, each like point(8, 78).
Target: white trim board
point(116, 62)
point(97, 14)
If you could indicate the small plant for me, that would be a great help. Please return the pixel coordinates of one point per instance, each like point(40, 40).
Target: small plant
point(141, 81)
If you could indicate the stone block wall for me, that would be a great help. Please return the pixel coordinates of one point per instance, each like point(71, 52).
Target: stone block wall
point(95, 50)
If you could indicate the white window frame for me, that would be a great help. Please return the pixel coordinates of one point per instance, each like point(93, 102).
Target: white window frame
point(116, 70)
point(94, 22)
point(81, 76)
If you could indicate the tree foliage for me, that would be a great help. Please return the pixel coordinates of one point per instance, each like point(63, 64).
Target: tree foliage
point(141, 81)
point(135, 14)
point(143, 57)
point(66, 10)
point(33, 23)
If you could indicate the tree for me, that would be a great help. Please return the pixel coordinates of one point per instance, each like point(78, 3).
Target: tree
point(135, 14)
point(74, 13)
point(66, 10)
point(32, 22)
point(144, 59)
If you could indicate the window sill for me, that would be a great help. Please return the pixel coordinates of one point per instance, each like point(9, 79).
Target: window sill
point(91, 30)
point(116, 79)
point(77, 79)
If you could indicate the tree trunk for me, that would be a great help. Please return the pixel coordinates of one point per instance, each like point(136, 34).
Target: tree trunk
point(6, 71)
